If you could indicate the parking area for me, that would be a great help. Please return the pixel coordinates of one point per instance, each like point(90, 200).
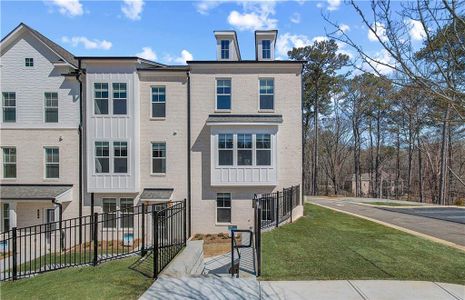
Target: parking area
point(451, 214)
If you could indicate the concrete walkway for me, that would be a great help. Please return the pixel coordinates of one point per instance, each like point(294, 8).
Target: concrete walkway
point(453, 233)
point(212, 287)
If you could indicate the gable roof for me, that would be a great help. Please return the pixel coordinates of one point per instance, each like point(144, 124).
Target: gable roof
point(64, 54)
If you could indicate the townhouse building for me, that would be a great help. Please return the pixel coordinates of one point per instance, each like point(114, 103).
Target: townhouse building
point(213, 132)
point(39, 130)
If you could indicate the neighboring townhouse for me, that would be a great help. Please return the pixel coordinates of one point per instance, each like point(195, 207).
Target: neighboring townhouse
point(245, 131)
point(39, 130)
point(212, 132)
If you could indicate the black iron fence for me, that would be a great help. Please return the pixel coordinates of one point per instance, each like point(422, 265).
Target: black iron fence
point(158, 230)
point(276, 208)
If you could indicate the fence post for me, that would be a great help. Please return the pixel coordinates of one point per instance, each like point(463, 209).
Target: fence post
point(15, 255)
point(155, 243)
point(259, 240)
point(184, 220)
point(291, 202)
point(142, 248)
point(277, 208)
point(95, 238)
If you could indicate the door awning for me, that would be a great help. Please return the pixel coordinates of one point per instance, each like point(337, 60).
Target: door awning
point(36, 192)
point(157, 194)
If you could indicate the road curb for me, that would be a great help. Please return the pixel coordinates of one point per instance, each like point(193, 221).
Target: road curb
point(422, 235)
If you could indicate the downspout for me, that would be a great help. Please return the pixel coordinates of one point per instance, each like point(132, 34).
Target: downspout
point(189, 200)
point(302, 190)
point(60, 221)
point(81, 109)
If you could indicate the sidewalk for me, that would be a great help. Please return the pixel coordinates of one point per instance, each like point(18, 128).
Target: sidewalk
point(212, 287)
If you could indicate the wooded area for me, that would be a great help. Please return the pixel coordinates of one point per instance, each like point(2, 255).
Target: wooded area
point(388, 128)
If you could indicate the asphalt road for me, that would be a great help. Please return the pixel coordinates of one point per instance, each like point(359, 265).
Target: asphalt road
point(445, 230)
point(451, 214)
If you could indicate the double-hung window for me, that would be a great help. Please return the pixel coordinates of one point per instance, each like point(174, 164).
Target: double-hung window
point(223, 208)
point(51, 107)
point(266, 49)
point(266, 94)
point(158, 102)
point(9, 107)
point(120, 157)
point(158, 158)
point(5, 217)
point(101, 98)
point(263, 149)
point(225, 149)
point(244, 149)
point(223, 94)
point(102, 157)
point(127, 212)
point(52, 162)
point(120, 96)
point(224, 49)
point(9, 162)
point(29, 62)
point(109, 210)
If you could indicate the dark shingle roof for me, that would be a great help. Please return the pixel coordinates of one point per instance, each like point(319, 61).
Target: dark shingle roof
point(245, 118)
point(32, 191)
point(156, 194)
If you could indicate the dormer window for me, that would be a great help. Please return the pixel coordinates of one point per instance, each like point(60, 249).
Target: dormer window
point(266, 49)
point(29, 62)
point(224, 49)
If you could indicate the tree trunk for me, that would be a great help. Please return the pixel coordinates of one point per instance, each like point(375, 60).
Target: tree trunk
point(444, 158)
point(371, 184)
point(397, 183)
point(315, 150)
point(420, 169)
point(378, 144)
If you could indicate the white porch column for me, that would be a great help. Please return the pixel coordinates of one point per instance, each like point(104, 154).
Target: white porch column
point(12, 214)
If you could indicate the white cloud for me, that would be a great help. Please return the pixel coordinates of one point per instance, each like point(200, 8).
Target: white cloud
point(132, 9)
point(380, 30)
point(185, 56)
point(204, 7)
point(417, 31)
point(70, 8)
point(256, 15)
point(344, 27)
point(87, 43)
point(288, 41)
point(295, 18)
point(147, 53)
point(319, 5)
point(381, 62)
point(333, 4)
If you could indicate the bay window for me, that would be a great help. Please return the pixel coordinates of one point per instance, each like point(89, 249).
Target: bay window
point(244, 149)
point(225, 149)
point(263, 149)
point(120, 96)
point(101, 98)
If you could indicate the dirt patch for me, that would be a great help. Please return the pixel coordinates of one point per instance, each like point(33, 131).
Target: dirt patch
point(214, 244)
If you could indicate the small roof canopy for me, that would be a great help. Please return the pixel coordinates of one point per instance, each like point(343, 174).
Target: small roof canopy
point(58, 192)
point(244, 119)
point(156, 194)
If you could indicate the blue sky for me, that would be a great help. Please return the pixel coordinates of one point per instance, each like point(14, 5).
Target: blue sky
point(173, 31)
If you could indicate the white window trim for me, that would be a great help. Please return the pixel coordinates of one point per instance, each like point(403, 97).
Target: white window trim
point(114, 157)
point(248, 149)
point(118, 99)
point(259, 109)
point(151, 158)
point(118, 214)
point(15, 163)
point(47, 163)
point(94, 150)
point(29, 67)
point(230, 95)
point(45, 108)
point(229, 50)
point(269, 58)
point(151, 103)
point(111, 157)
point(110, 99)
point(9, 106)
point(216, 210)
point(254, 150)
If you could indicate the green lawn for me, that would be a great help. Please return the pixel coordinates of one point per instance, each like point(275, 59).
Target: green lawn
point(110, 280)
point(329, 245)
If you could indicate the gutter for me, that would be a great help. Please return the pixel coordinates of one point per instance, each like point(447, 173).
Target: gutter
point(81, 109)
point(189, 200)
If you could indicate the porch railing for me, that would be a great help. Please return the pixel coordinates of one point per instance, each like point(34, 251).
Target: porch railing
point(157, 230)
point(276, 208)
